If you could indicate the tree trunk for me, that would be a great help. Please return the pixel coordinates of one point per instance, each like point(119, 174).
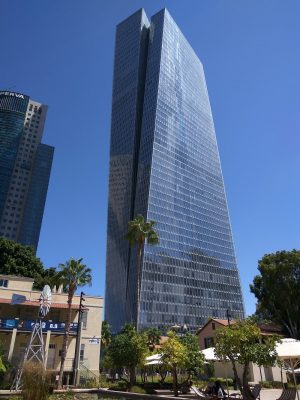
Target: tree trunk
point(175, 382)
point(138, 280)
point(163, 374)
point(247, 395)
point(65, 341)
point(236, 376)
point(293, 328)
point(131, 376)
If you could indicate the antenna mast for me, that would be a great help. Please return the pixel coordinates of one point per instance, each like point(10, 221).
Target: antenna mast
point(35, 350)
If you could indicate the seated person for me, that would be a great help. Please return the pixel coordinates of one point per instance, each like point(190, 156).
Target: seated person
point(208, 389)
point(186, 387)
point(218, 391)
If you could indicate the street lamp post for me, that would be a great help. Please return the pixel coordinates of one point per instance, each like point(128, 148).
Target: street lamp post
point(78, 339)
point(228, 315)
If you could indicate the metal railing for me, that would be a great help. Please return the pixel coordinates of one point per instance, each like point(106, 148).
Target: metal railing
point(85, 374)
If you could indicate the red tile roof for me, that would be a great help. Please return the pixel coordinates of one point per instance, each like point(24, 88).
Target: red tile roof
point(265, 328)
point(223, 322)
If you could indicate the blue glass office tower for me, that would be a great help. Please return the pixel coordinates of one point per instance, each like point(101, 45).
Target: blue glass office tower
point(164, 164)
point(25, 165)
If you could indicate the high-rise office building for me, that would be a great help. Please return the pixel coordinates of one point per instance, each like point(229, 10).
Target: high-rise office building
point(25, 165)
point(164, 164)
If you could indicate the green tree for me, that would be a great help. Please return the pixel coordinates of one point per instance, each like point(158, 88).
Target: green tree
point(3, 362)
point(49, 276)
point(127, 350)
point(73, 274)
point(277, 289)
point(106, 335)
point(140, 232)
point(174, 357)
point(153, 337)
point(106, 338)
point(194, 358)
point(241, 343)
point(17, 259)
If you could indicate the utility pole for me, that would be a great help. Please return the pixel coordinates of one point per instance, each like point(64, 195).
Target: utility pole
point(78, 340)
point(228, 317)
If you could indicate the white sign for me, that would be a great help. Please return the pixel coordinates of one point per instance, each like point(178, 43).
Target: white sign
point(19, 95)
point(94, 341)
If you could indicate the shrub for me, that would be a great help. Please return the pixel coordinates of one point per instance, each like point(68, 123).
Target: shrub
point(272, 384)
point(150, 387)
point(5, 369)
point(266, 384)
point(35, 382)
point(222, 381)
point(120, 386)
point(277, 384)
point(62, 396)
point(138, 389)
point(103, 383)
point(90, 383)
point(6, 383)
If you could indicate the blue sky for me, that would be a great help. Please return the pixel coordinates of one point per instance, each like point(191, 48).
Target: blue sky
point(61, 54)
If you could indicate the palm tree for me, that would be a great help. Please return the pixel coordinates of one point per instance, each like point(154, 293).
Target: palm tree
point(72, 275)
point(139, 233)
point(106, 335)
point(153, 336)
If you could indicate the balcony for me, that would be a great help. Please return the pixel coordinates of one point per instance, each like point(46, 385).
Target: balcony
point(26, 325)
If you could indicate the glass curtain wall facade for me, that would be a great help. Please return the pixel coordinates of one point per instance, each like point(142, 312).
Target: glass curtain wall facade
point(127, 100)
point(36, 197)
point(25, 165)
point(12, 116)
point(176, 181)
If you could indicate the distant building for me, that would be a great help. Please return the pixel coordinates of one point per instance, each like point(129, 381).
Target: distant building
point(165, 165)
point(206, 336)
point(25, 165)
point(206, 333)
point(16, 322)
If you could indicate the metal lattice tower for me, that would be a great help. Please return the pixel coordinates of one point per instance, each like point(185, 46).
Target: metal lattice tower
point(35, 350)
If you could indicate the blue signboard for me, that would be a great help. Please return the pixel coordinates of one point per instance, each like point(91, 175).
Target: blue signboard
point(7, 323)
point(27, 325)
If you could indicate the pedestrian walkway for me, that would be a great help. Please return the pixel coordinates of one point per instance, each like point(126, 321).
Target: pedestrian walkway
point(265, 394)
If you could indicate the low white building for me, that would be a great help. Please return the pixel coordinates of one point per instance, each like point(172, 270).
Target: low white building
point(224, 369)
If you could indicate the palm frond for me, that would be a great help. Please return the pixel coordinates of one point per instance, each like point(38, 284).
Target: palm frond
point(74, 274)
point(141, 231)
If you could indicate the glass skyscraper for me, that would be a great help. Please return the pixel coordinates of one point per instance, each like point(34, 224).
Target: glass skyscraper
point(164, 164)
point(25, 165)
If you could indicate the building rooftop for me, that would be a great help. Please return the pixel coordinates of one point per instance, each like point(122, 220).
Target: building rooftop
point(223, 322)
point(16, 278)
point(266, 328)
point(36, 303)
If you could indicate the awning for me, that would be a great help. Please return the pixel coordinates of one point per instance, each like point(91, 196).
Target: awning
point(154, 360)
point(288, 350)
point(209, 354)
